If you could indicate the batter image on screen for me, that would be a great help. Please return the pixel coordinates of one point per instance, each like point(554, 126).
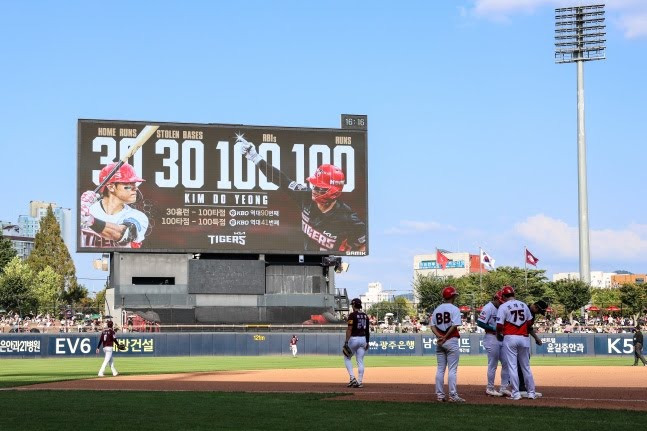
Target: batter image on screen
point(328, 223)
point(107, 219)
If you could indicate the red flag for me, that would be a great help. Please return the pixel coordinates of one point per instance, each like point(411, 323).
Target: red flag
point(532, 260)
point(441, 259)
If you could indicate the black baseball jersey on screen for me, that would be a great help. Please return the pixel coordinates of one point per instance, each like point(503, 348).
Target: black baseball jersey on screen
point(358, 321)
point(339, 229)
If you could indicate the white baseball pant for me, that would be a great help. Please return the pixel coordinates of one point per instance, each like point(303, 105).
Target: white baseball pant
point(518, 347)
point(293, 348)
point(108, 360)
point(494, 355)
point(359, 346)
point(447, 355)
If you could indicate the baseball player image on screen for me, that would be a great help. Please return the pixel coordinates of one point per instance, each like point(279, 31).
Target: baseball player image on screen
point(328, 223)
point(512, 322)
point(445, 321)
point(107, 219)
point(357, 338)
point(493, 347)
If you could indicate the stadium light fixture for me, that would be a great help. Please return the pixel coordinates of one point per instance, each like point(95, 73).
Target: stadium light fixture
point(580, 35)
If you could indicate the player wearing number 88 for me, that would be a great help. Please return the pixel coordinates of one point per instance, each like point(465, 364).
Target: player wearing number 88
point(512, 322)
point(445, 321)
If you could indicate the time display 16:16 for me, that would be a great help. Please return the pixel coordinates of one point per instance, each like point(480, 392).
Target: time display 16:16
point(179, 160)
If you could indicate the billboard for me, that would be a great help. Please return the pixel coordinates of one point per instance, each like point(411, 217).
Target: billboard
point(200, 188)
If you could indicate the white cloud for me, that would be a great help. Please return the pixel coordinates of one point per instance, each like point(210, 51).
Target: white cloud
point(629, 15)
point(408, 227)
point(558, 237)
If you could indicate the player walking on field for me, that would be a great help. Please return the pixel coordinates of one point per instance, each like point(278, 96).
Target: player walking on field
point(493, 347)
point(108, 337)
point(445, 321)
point(293, 345)
point(512, 322)
point(357, 339)
point(328, 223)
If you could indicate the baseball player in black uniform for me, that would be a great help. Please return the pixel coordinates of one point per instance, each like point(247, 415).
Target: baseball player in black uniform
point(638, 346)
point(357, 338)
point(329, 224)
point(108, 338)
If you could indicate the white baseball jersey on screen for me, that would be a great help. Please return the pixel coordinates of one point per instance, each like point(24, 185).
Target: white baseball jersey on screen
point(488, 315)
point(445, 316)
point(127, 214)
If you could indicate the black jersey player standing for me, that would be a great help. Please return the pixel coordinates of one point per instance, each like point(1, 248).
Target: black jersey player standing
point(328, 224)
point(107, 338)
point(357, 338)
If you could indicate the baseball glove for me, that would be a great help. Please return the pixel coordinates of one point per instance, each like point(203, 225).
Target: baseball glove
point(121, 346)
point(347, 351)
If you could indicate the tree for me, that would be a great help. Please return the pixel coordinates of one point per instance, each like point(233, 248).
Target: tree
point(16, 293)
point(74, 294)
point(400, 308)
point(604, 297)
point(634, 297)
point(572, 294)
point(46, 288)
point(50, 250)
point(7, 252)
point(429, 290)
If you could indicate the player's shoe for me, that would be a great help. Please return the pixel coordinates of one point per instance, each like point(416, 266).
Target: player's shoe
point(115, 374)
point(352, 383)
point(493, 393)
point(523, 394)
point(506, 392)
point(456, 399)
point(517, 398)
point(100, 374)
point(441, 399)
point(358, 385)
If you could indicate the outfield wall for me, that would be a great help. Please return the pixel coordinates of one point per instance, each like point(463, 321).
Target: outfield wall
point(258, 344)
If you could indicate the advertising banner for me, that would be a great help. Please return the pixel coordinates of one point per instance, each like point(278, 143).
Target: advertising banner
point(179, 187)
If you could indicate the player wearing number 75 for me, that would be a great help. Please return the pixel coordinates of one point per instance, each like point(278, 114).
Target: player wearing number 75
point(329, 224)
point(445, 321)
point(512, 322)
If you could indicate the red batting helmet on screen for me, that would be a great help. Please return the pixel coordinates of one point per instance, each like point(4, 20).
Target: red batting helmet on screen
point(327, 183)
point(449, 292)
point(507, 291)
point(125, 174)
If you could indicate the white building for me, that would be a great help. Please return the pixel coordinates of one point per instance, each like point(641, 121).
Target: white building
point(374, 295)
point(599, 279)
point(30, 224)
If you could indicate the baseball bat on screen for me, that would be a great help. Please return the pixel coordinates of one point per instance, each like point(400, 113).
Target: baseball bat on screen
point(140, 140)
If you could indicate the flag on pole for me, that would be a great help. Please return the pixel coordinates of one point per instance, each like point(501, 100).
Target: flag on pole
point(487, 260)
point(441, 259)
point(532, 260)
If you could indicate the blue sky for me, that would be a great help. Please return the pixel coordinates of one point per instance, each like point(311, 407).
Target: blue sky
point(472, 126)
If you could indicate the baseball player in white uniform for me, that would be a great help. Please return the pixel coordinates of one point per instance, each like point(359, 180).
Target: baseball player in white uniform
point(493, 347)
point(512, 321)
point(445, 321)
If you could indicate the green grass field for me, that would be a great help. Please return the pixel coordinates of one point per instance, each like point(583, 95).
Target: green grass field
point(208, 410)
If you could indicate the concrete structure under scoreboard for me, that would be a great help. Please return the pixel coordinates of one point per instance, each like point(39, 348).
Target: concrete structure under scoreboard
point(221, 289)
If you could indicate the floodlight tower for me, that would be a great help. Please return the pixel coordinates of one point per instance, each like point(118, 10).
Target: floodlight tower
point(579, 37)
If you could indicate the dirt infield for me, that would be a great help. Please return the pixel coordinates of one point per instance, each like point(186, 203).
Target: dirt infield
point(574, 387)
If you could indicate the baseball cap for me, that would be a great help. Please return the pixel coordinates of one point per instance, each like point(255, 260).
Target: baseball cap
point(541, 306)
